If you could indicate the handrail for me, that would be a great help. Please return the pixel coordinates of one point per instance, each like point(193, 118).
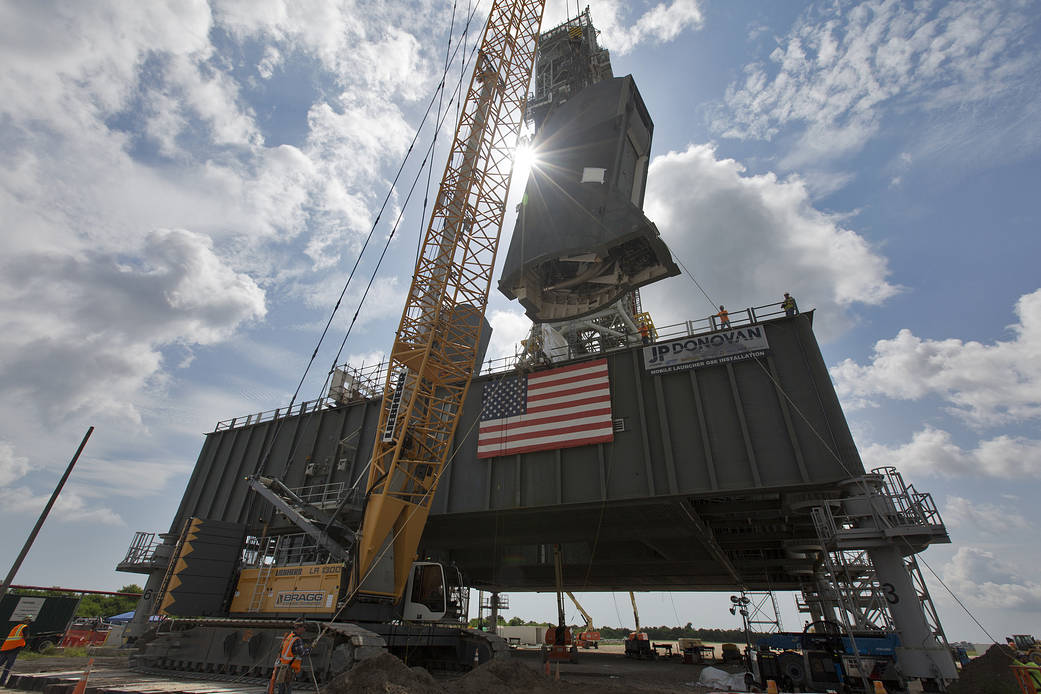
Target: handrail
point(698, 326)
point(142, 548)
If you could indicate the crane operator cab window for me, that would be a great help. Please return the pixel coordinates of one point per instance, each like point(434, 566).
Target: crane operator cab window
point(426, 593)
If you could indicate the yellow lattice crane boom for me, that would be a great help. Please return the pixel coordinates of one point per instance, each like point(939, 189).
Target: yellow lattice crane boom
point(434, 352)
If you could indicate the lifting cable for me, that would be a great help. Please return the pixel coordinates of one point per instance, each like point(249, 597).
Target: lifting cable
point(264, 458)
point(388, 545)
point(860, 481)
point(372, 277)
point(695, 281)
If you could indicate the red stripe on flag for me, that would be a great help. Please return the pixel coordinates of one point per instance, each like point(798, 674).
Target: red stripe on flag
point(580, 378)
point(605, 438)
point(574, 402)
point(564, 407)
point(515, 423)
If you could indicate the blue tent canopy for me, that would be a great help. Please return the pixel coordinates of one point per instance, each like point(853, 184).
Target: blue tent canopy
point(120, 618)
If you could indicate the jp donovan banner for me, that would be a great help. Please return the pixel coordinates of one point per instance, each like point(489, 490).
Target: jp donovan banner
point(745, 342)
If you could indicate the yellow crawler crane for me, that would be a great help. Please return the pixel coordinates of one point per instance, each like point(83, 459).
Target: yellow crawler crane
point(389, 601)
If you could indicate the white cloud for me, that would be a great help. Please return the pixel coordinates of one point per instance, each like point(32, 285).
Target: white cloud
point(68, 63)
point(84, 331)
point(984, 384)
point(841, 69)
point(508, 329)
point(622, 30)
point(959, 512)
point(70, 507)
point(748, 239)
point(359, 42)
point(12, 466)
point(213, 97)
point(933, 452)
point(982, 579)
point(124, 120)
point(133, 478)
point(270, 62)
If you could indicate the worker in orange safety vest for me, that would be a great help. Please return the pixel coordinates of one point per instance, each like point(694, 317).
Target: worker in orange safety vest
point(289, 658)
point(12, 646)
point(724, 318)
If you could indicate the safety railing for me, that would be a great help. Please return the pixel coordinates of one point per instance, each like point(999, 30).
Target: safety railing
point(321, 494)
point(912, 506)
point(356, 383)
point(699, 326)
point(294, 548)
point(369, 378)
point(141, 553)
point(824, 523)
point(301, 408)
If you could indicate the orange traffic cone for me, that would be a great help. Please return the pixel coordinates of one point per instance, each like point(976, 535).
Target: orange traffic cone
point(81, 686)
point(879, 688)
point(771, 687)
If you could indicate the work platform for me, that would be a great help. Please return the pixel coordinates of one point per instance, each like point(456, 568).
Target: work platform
point(707, 484)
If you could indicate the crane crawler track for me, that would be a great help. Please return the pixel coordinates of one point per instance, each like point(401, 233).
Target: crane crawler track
point(244, 650)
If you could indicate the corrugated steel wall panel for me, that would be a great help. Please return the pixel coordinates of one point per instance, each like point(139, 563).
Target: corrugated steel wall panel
point(729, 430)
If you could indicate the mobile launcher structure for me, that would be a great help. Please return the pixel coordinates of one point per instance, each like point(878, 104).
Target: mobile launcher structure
point(736, 472)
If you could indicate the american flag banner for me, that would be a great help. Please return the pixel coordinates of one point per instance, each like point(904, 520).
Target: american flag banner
point(558, 408)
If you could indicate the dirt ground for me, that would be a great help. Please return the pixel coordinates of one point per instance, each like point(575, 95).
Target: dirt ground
point(988, 674)
point(596, 672)
point(606, 671)
point(603, 671)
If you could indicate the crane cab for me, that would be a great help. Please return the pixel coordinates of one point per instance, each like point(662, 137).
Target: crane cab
point(435, 594)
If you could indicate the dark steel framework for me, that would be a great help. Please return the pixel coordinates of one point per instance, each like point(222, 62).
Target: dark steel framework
point(708, 483)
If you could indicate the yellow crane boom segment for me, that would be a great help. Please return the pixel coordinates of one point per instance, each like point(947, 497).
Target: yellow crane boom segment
point(432, 360)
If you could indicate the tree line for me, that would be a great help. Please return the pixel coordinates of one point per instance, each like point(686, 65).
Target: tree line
point(93, 605)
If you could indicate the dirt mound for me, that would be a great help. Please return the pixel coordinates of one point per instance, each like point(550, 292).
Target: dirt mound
point(503, 674)
point(988, 674)
point(383, 674)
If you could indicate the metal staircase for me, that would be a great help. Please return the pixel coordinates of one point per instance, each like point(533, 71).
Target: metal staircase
point(869, 576)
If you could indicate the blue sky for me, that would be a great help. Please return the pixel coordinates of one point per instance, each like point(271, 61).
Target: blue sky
point(187, 185)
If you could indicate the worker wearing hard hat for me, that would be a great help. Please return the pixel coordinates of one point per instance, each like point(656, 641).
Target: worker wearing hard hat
point(724, 317)
point(289, 659)
point(12, 646)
